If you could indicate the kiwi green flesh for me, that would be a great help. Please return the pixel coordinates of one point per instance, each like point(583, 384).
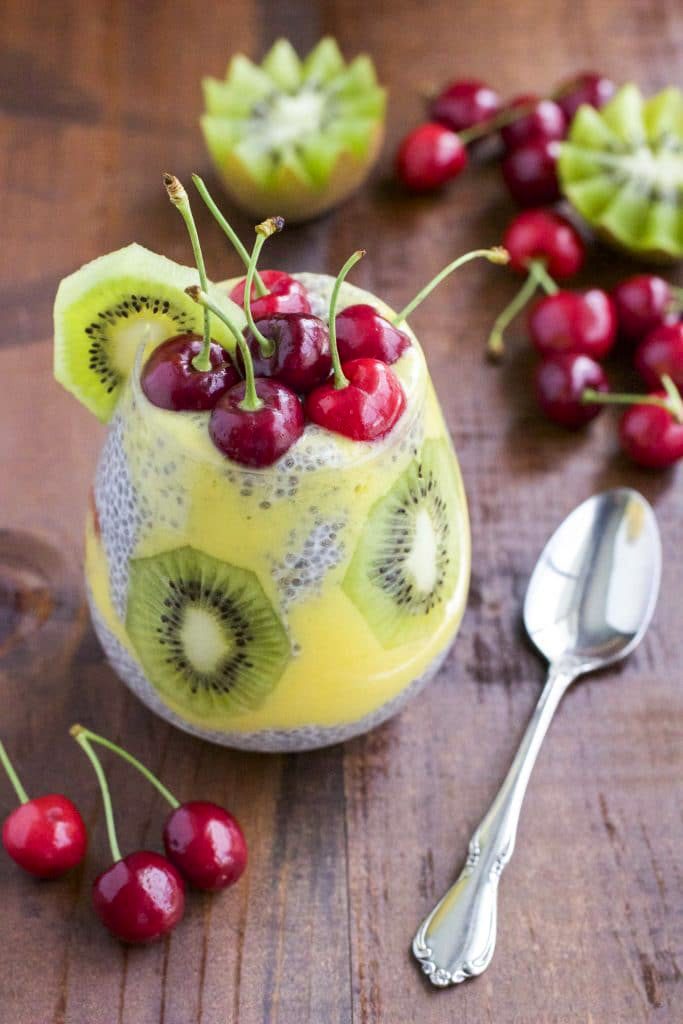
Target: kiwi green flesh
point(106, 310)
point(622, 169)
point(404, 570)
point(205, 633)
point(312, 113)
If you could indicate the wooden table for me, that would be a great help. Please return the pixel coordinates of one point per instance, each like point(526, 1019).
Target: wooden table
point(350, 846)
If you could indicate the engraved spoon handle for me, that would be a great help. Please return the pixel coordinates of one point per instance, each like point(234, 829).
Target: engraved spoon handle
point(456, 941)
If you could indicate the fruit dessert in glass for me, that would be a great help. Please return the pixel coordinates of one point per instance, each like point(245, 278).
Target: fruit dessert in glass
point(277, 547)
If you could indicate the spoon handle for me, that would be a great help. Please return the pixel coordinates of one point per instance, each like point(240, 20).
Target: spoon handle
point(456, 941)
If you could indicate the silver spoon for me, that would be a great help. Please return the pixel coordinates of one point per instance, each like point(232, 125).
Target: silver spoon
point(589, 602)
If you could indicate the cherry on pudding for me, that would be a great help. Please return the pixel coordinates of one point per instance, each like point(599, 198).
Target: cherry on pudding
point(366, 407)
point(256, 429)
point(284, 295)
point(565, 321)
point(170, 381)
point(301, 355)
point(363, 333)
point(206, 844)
point(429, 156)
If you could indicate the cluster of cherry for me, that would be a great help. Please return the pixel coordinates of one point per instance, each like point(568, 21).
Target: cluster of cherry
point(527, 129)
point(140, 897)
point(573, 331)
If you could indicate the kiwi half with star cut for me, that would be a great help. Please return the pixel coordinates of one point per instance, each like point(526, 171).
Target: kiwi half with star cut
point(110, 307)
point(622, 169)
point(292, 135)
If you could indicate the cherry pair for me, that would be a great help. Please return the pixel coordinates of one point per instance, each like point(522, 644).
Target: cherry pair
point(529, 127)
point(141, 896)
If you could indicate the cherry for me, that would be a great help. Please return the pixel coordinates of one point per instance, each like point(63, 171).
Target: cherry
point(429, 156)
point(366, 407)
point(530, 173)
point(582, 322)
point(661, 353)
point(170, 381)
point(544, 235)
point(651, 436)
point(256, 431)
point(302, 350)
point(465, 103)
point(586, 87)
point(46, 835)
point(285, 295)
point(561, 380)
point(363, 332)
point(206, 843)
point(651, 431)
point(543, 120)
point(139, 898)
point(644, 302)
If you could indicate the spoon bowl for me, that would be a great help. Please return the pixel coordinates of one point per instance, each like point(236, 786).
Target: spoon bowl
point(592, 594)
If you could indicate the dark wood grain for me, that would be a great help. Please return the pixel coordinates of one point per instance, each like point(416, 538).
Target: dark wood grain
point(349, 846)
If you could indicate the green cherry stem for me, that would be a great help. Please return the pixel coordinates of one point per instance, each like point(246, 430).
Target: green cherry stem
point(497, 254)
point(263, 231)
point(94, 737)
point(81, 736)
point(340, 380)
point(228, 230)
point(537, 277)
point(12, 775)
point(251, 401)
point(180, 199)
point(540, 272)
point(673, 403)
point(493, 124)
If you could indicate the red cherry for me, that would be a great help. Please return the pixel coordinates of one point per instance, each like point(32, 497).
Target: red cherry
point(530, 173)
point(586, 87)
point(544, 235)
point(560, 382)
point(139, 898)
point(301, 358)
point(285, 295)
point(363, 333)
point(429, 156)
point(651, 436)
point(661, 353)
point(170, 381)
point(643, 302)
point(206, 844)
point(257, 437)
point(545, 120)
point(574, 322)
point(464, 103)
point(366, 409)
point(46, 836)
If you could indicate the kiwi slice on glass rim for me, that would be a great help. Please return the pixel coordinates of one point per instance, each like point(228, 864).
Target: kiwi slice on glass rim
point(207, 636)
point(406, 565)
point(107, 309)
point(296, 136)
point(622, 169)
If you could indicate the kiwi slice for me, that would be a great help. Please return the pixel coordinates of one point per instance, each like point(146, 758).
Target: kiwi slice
point(205, 632)
point(406, 565)
point(622, 169)
point(294, 136)
point(107, 309)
